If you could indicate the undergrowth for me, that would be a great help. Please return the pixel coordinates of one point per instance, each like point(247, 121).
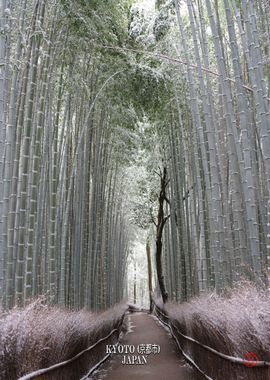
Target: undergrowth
point(39, 336)
point(236, 325)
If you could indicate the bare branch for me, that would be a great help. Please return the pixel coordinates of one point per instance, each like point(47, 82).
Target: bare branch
point(179, 61)
point(167, 200)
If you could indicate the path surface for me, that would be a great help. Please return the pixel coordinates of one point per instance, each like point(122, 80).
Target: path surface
point(167, 365)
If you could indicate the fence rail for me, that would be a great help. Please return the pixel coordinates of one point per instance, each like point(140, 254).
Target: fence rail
point(54, 367)
point(169, 325)
point(232, 359)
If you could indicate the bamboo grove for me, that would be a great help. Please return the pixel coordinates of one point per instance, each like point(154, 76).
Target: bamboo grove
point(78, 79)
point(63, 229)
point(219, 148)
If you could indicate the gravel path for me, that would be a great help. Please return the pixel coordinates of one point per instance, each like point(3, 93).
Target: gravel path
point(166, 365)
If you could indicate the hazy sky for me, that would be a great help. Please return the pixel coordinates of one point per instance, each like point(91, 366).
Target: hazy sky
point(146, 4)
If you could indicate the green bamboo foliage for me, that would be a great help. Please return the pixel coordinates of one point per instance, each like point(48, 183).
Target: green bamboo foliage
point(65, 229)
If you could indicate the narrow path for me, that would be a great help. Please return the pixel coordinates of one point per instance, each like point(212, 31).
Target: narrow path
point(166, 365)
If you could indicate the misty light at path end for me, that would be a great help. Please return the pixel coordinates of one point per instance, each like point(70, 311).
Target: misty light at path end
point(137, 275)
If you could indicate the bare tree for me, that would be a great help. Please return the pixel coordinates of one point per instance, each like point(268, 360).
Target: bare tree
point(160, 224)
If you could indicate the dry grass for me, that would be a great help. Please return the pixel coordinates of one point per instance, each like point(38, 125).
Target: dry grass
point(39, 336)
point(233, 325)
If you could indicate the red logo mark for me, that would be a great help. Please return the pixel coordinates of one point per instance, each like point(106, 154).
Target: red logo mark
point(251, 359)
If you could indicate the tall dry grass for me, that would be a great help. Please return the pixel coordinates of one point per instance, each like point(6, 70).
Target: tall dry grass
point(234, 325)
point(39, 336)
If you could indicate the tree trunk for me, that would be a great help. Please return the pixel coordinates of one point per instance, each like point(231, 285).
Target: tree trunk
point(149, 267)
point(160, 226)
